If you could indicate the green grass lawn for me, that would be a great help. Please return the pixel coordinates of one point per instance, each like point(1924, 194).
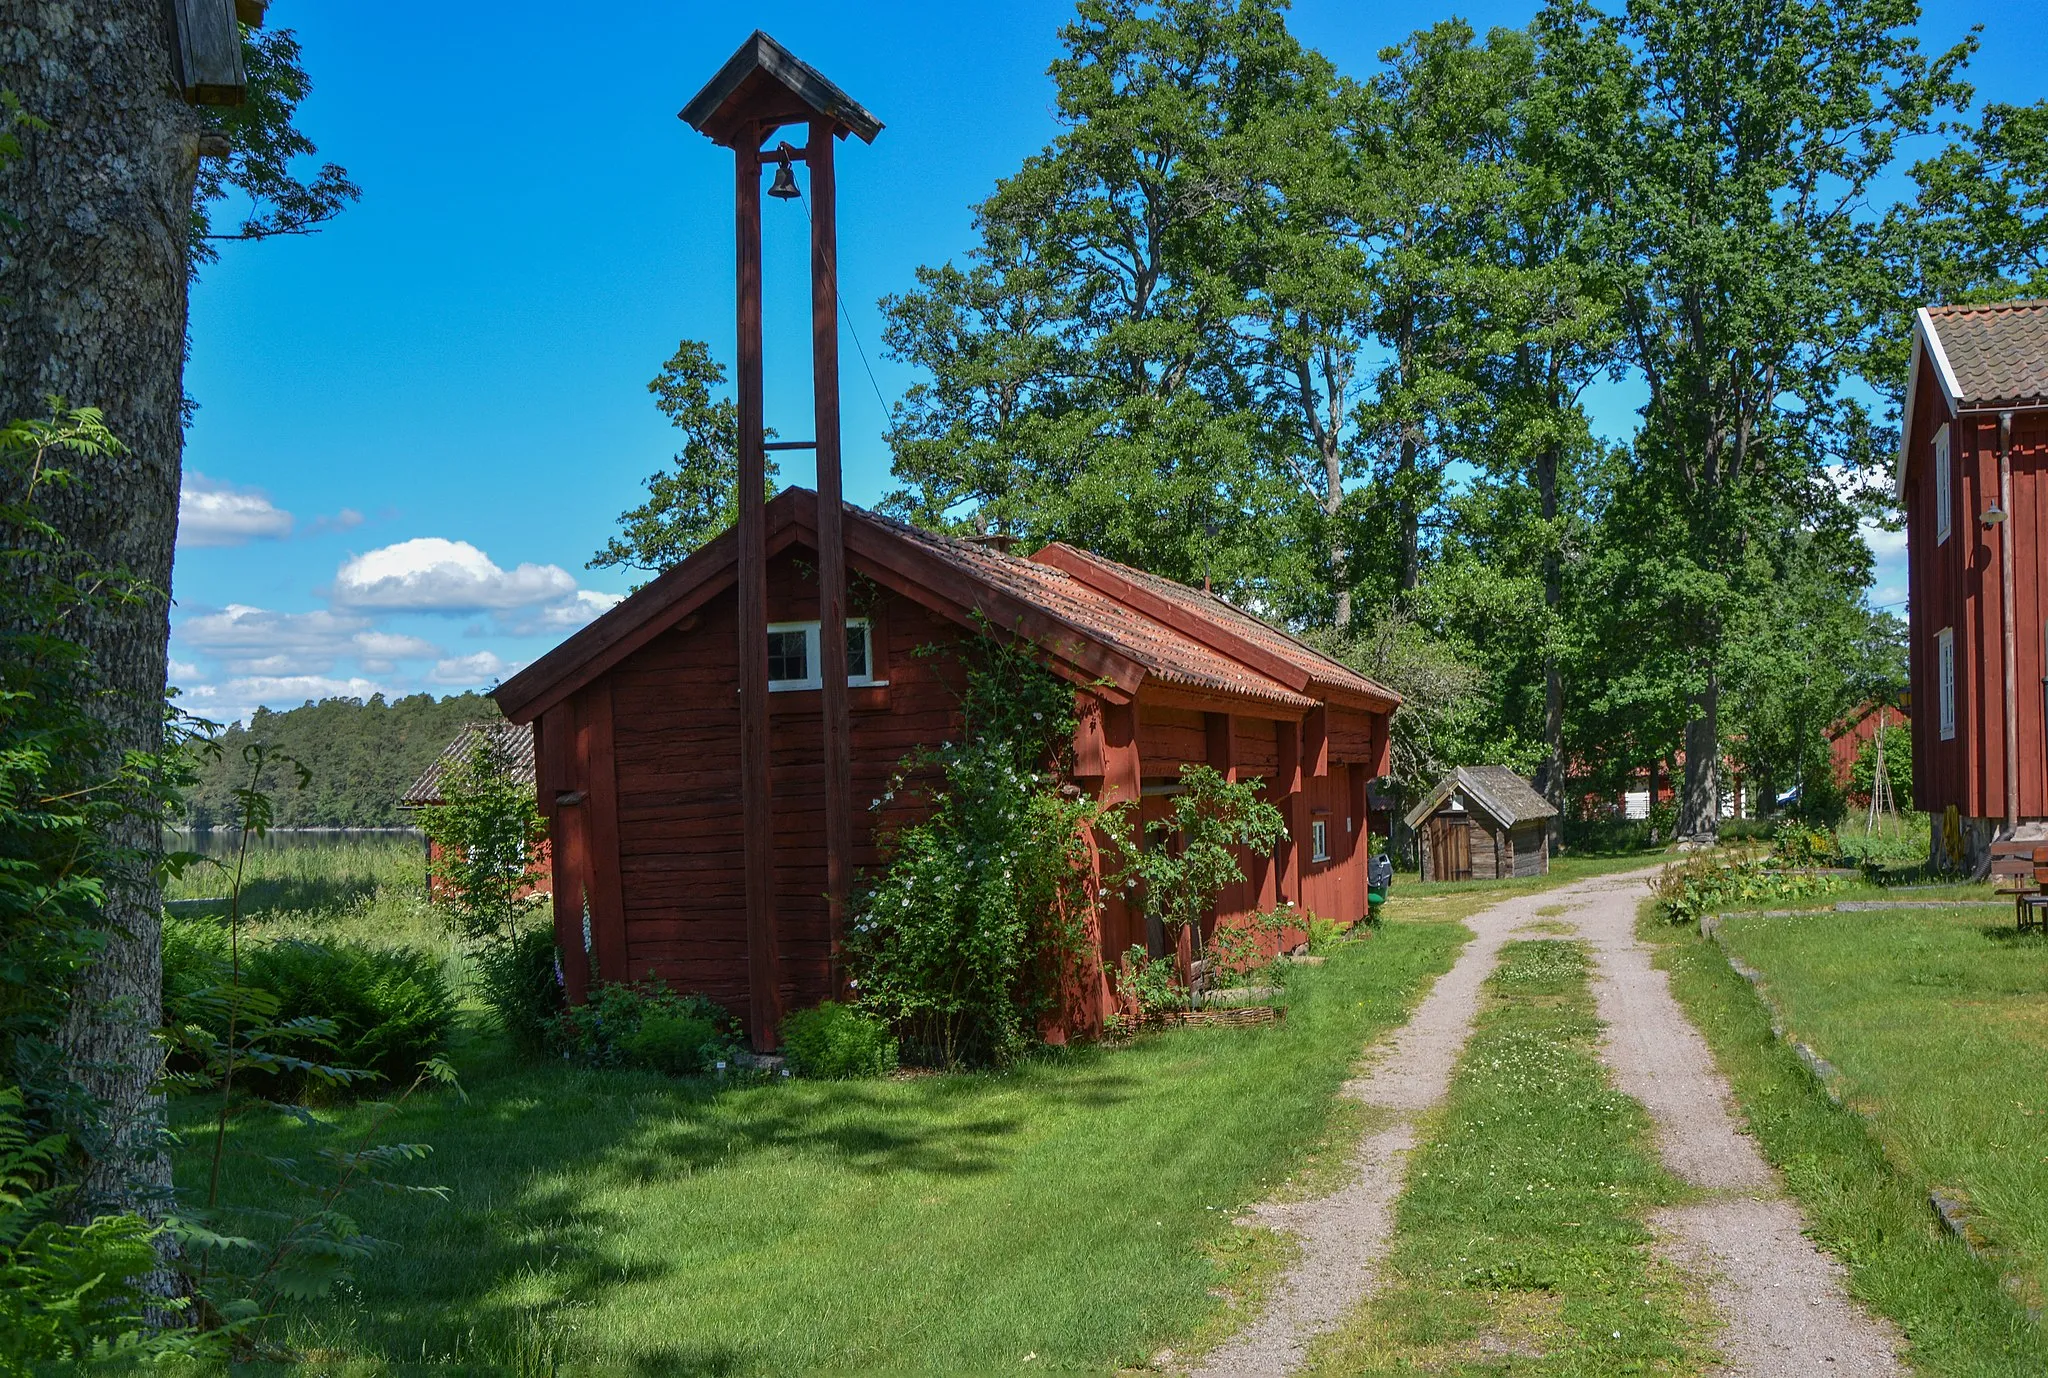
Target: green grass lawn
point(1938, 1021)
point(1520, 1243)
point(1075, 1208)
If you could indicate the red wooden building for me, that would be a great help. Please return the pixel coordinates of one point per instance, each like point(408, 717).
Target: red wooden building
point(511, 746)
point(1973, 446)
point(638, 739)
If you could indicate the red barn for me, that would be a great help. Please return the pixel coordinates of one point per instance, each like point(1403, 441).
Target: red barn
point(1973, 446)
point(511, 745)
point(638, 739)
point(1857, 729)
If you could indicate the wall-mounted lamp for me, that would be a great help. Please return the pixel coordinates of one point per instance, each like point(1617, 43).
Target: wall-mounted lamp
point(1992, 515)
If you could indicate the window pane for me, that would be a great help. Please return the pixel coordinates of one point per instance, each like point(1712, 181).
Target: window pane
point(787, 659)
point(857, 651)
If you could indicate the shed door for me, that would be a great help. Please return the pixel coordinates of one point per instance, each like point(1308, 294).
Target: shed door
point(1450, 847)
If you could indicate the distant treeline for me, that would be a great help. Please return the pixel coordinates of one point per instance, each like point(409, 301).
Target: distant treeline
point(363, 756)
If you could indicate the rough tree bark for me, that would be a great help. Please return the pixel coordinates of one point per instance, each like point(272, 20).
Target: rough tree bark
point(1550, 773)
point(1699, 801)
point(92, 309)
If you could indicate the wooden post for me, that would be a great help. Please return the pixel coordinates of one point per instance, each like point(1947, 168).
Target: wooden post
point(831, 538)
point(1287, 788)
point(757, 815)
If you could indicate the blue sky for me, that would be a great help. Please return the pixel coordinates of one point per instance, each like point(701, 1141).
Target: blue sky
point(417, 425)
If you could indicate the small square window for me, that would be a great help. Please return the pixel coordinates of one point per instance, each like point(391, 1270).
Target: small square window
point(789, 657)
point(1319, 841)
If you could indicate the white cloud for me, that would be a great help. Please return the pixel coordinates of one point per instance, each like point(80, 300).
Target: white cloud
point(586, 607)
point(212, 512)
point(257, 641)
point(484, 667)
point(432, 574)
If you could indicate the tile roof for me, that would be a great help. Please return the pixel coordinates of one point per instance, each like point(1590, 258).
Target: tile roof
point(1324, 672)
point(1997, 355)
point(1497, 792)
point(511, 744)
point(1169, 656)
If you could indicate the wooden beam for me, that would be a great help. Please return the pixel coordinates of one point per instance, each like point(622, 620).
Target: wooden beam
point(1315, 742)
point(209, 52)
point(555, 774)
point(757, 813)
point(831, 540)
point(598, 762)
point(1222, 744)
point(1122, 783)
point(1287, 797)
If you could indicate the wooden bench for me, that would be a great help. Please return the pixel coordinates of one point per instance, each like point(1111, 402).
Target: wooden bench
point(2021, 870)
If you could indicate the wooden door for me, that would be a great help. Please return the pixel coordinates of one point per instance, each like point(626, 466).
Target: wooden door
point(1450, 847)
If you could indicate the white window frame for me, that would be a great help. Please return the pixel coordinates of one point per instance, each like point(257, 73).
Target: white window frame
point(1944, 486)
point(1945, 672)
point(814, 662)
point(1319, 840)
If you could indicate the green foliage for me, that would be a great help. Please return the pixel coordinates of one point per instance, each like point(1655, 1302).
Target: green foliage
point(1148, 984)
point(378, 1010)
point(522, 984)
point(838, 1042)
point(1898, 766)
point(264, 149)
point(697, 499)
point(363, 754)
point(645, 1024)
point(490, 833)
point(1182, 863)
point(299, 1243)
point(1800, 844)
point(69, 1293)
point(962, 941)
point(1703, 884)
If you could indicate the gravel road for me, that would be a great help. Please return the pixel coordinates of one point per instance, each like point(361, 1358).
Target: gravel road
point(1786, 1310)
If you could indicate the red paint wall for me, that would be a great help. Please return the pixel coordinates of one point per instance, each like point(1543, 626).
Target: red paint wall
point(1957, 584)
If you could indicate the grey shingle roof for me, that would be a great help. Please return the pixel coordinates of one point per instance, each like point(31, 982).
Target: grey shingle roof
point(1997, 355)
point(1495, 791)
point(511, 743)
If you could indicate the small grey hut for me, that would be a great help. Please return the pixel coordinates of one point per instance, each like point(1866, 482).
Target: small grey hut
point(1483, 823)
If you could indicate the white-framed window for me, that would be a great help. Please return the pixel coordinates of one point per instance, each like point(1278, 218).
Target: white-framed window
point(793, 661)
point(1318, 841)
point(1944, 499)
point(1945, 666)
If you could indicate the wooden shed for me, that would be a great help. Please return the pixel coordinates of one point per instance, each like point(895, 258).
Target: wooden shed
point(638, 742)
point(1483, 823)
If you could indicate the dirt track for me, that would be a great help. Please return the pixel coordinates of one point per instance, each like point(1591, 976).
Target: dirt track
point(1786, 1311)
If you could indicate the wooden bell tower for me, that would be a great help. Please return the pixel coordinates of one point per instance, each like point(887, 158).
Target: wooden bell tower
point(762, 89)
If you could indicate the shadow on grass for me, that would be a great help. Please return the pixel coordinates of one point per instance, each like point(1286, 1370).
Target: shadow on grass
point(287, 895)
point(555, 1173)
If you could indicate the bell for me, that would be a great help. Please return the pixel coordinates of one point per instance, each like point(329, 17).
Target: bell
point(783, 188)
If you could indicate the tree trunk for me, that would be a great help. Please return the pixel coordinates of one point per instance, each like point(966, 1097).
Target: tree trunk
point(1340, 553)
point(92, 309)
point(1699, 806)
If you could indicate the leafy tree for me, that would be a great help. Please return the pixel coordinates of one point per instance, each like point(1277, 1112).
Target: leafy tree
point(699, 498)
point(93, 308)
point(1898, 765)
point(1083, 381)
point(1754, 136)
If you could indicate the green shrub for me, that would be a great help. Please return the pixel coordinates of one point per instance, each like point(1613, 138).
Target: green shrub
point(1797, 844)
point(521, 982)
point(645, 1024)
point(390, 1008)
point(1149, 983)
point(69, 1293)
point(839, 1042)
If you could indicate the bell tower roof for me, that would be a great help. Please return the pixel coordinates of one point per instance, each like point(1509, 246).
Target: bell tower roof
point(767, 85)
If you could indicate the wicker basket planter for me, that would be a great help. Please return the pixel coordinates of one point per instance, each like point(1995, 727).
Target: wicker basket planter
point(1239, 1014)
